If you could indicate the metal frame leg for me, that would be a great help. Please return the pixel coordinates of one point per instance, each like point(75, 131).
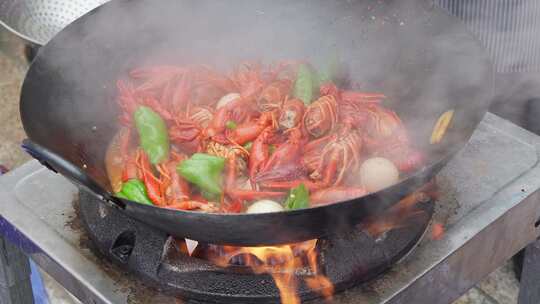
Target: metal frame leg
point(15, 286)
point(529, 291)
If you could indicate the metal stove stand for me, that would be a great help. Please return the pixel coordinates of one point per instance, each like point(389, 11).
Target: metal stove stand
point(489, 205)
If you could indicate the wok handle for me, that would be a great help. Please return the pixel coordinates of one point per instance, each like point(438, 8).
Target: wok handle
point(58, 164)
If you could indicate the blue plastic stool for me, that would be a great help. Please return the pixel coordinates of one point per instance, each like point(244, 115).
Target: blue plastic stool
point(38, 288)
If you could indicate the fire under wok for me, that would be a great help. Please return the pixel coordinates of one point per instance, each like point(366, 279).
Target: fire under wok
point(424, 61)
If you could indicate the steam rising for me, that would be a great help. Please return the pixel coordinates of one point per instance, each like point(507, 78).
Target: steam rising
point(509, 31)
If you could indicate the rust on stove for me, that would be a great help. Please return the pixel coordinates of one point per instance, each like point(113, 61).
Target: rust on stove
point(75, 224)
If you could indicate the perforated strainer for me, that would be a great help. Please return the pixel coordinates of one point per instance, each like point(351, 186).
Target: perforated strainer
point(38, 21)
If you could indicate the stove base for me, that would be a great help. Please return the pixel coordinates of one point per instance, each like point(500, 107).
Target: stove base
point(150, 254)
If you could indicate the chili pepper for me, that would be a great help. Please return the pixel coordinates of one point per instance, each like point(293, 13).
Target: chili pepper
point(304, 84)
point(298, 198)
point(204, 171)
point(331, 70)
point(235, 206)
point(248, 145)
point(231, 125)
point(134, 190)
point(153, 134)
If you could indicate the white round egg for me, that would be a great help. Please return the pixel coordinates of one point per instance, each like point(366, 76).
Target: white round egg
point(265, 206)
point(378, 173)
point(223, 101)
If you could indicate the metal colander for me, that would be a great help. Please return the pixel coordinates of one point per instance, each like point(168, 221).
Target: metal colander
point(38, 21)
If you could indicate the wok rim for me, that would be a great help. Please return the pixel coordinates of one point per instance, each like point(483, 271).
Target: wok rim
point(417, 174)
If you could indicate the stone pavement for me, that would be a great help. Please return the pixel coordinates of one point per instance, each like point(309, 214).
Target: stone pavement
point(501, 287)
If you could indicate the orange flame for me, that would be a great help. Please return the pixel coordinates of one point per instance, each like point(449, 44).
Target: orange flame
point(437, 231)
point(401, 214)
point(283, 274)
point(281, 262)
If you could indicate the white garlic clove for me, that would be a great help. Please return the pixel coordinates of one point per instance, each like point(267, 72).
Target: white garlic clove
point(378, 173)
point(265, 206)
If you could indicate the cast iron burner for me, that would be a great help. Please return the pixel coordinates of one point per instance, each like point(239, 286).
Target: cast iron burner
point(346, 260)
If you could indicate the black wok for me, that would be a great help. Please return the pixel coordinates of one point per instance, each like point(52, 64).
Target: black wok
point(421, 58)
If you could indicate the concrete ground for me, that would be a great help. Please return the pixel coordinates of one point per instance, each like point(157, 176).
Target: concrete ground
point(501, 287)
